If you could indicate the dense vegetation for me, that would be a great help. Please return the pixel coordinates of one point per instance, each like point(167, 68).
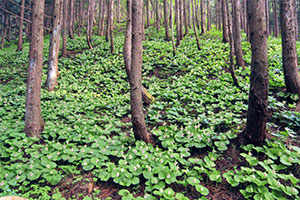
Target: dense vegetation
point(88, 149)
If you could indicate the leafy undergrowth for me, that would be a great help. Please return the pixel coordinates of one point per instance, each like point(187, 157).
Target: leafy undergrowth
point(87, 150)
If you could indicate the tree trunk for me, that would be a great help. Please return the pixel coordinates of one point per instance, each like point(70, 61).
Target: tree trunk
point(102, 17)
point(54, 46)
point(166, 19)
point(20, 40)
point(208, 15)
point(237, 35)
point(80, 17)
point(194, 25)
point(111, 25)
point(28, 25)
point(172, 28)
point(189, 14)
point(157, 16)
point(99, 16)
point(275, 19)
point(177, 23)
point(181, 18)
point(34, 123)
point(70, 24)
point(65, 28)
point(107, 21)
point(90, 20)
point(118, 11)
point(246, 30)
point(202, 17)
point(231, 66)
point(289, 51)
point(224, 20)
point(5, 27)
point(138, 120)
point(267, 17)
point(259, 78)
point(185, 15)
point(148, 12)
point(296, 20)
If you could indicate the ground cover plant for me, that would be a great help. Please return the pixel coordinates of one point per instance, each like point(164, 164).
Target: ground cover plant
point(87, 150)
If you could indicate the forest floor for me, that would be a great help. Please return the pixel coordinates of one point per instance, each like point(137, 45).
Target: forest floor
point(88, 151)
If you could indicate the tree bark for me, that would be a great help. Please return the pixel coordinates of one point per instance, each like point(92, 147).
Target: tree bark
point(4, 33)
point(267, 16)
point(166, 20)
point(225, 21)
point(111, 25)
point(20, 40)
point(259, 78)
point(34, 123)
point(65, 28)
point(70, 24)
point(177, 23)
point(54, 46)
point(118, 11)
point(181, 18)
point(275, 19)
point(90, 20)
point(80, 17)
point(296, 20)
point(208, 15)
point(185, 15)
point(289, 51)
point(194, 25)
point(107, 21)
point(172, 28)
point(148, 12)
point(102, 17)
point(157, 15)
point(202, 17)
point(138, 120)
point(237, 35)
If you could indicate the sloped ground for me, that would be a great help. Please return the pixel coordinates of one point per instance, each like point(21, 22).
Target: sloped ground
point(88, 149)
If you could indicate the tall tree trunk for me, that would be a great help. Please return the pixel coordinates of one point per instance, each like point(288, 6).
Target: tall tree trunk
point(102, 17)
point(128, 39)
point(148, 12)
point(202, 17)
point(99, 16)
point(65, 28)
point(80, 17)
point(90, 20)
point(70, 24)
point(224, 20)
point(5, 27)
point(246, 30)
point(217, 14)
point(20, 40)
point(275, 19)
point(157, 15)
point(237, 35)
point(181, 18)
point(185, 15)
point(194, 25)
point(232, 48)
point(189, 13)
point(28, 25)
point(118, 10)
point(9, 29)
point(296, 20)
point(289, 51)
point(267, 17)
point(54, 46)
point(166, 20)
point(208, 15)
point(138, 120)
point(259, 78)
point(34, 123)
point(177, 23)
point(172, 28)
point(107, 21)
point(111, 25)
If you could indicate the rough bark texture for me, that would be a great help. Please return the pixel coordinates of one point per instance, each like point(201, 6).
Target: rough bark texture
point(65, 28)
point(177, 23)
point(71, 16)
point(118, 10)
point(157, 15)
point(185, 15)
point(181, 18)
point(138, 120)
point(20, 40)
point(107, 21)
point(172, 28)
point(289, 51)
point(202, 17)
point(111, 25)
point(99, 16)
point(259, 78)
point(208, 15)
point(231, 66)
point(54, 46)
point(275, 19)
point(166, 20)
point(237, 34)
point(148, 12)
point(224, 22)
point(4, 32)
point(296, 19)
point(194, 25)
point(34, 123)
point(102, 17)
point(89, 25)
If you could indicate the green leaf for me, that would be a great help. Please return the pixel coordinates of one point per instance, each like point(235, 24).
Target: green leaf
point(203, 190)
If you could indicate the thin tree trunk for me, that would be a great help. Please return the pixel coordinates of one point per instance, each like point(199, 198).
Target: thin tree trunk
point(237, 35)
point(90, 20)
point(275, 19)
point(194, 25)
point(118, 11)
point(70, 24)
point(181, 18)
point(202, 17)
point(267, 17)
point(34, 123)
point(208, 15)
point(157, 16)
point(289, 51)
point(4, 31)
point(166, 19)
point(20, 40)
point(107, 21)
point(102, 17)
point(138, 120)
point(231, 67)
point(185, 15)
point(172, 27)
point(148, 12)
point(111, 26)
point(54, 46)
point(296, 20)
point(177, 23)
point(189, 14)
point(225, 20)
point(259, 78)
point(99, 16)
point(80, 17)
point(65, 28)
point(246, 30)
